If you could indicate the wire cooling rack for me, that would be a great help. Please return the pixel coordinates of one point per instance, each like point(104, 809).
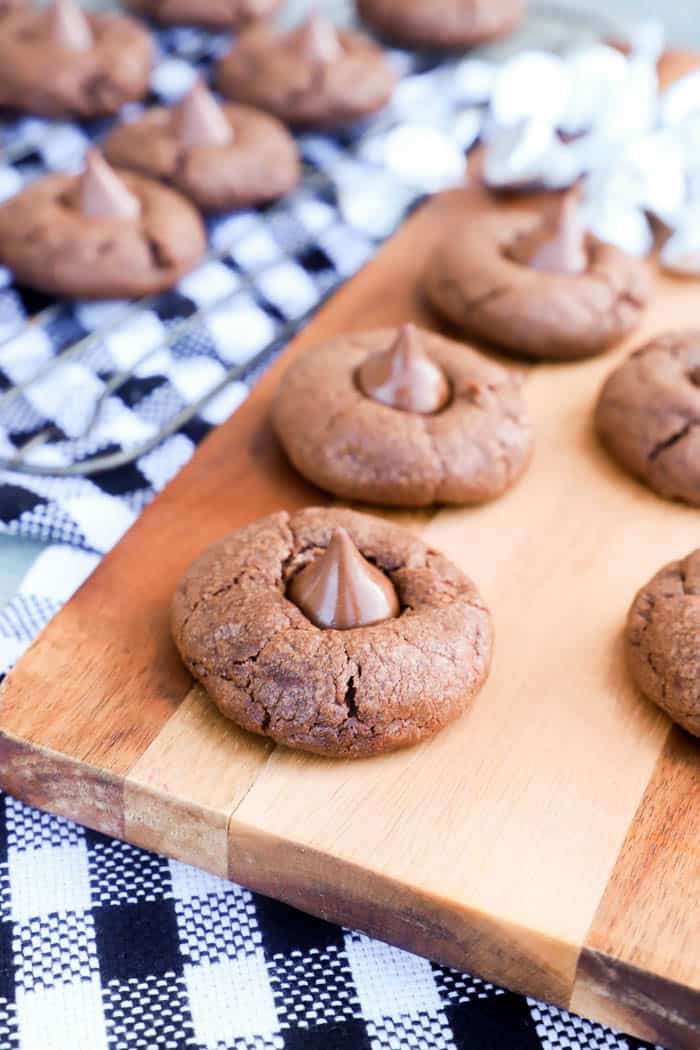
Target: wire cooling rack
point(42, 437)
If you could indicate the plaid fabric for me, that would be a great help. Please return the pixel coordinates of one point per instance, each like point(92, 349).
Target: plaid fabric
point(103, 945)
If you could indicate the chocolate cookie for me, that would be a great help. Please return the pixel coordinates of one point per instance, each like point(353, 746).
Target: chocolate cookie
point(663, 641)
point(61, 62)
point(100, 235)
point(315, 75)
point(220, 156)
point(360, 447)
point(490, 279)
point(648, 415)
point(349, 693)
point(442, 23)
point(210, 14)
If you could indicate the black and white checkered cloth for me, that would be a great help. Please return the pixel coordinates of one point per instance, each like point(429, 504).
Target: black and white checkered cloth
point(104, 946)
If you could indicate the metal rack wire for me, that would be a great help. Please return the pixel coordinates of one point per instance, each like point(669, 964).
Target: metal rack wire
point(313, 181)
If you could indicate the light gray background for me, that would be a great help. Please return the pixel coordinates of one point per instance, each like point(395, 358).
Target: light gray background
point(681, 17)
point(682, 21)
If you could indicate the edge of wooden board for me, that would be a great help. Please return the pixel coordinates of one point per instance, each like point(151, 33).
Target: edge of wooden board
point(395, 912)
point(607, 988)
point(61, 784)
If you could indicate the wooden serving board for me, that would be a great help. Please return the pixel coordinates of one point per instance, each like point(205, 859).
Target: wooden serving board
point(548, 841)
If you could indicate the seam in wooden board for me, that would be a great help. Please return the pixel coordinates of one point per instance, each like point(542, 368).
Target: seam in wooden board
point(586, 944)
point(261, 770)
point(157, 793)
point(619, 964)
point(131, 781)
point(254, 781)
point(630, 1000)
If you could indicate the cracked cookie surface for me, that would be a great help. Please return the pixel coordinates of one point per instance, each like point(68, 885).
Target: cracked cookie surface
point(41, 77)
point(663, 641)
point(349, 693)
point(648, 415)
point(447, 23)
point(262, 70)
point(473, 282)
point(260, 164)
point(359, 449)
point(50, 245)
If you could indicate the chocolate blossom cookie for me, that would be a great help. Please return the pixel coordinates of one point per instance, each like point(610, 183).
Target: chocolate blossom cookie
point(60, 62)
point(219, 156)
point(442, 23)
point(210, 14)
point(648, 415)
point(100, 235)
point(663, 641)
point(314, 75)
point(332, 632)
point(544, 290)
point(403, 418)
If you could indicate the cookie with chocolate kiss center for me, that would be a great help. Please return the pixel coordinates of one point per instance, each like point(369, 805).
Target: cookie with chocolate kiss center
point(313, 75)
point(341, 589)
point(405, 377)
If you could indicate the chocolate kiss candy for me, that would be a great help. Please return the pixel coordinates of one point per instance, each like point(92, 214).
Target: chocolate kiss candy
point(69, 27)
point(102, 193)
point(341, 589)
point(317, 39)
point(200, 119)
point(560, 251)
point(404, 377)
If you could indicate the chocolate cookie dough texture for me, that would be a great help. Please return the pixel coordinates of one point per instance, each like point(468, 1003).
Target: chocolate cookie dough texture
point(333, 632)
point(62, 62)
point(648, 415)
point(663, 641)
point(442, 23)
point(403, 418)
point(221, 157)
point(99, 235)
point(314, 75)
point(544, 290)
point(209, 14)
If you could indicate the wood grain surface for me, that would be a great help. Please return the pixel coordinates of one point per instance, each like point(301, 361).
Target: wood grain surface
point(549, 840)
